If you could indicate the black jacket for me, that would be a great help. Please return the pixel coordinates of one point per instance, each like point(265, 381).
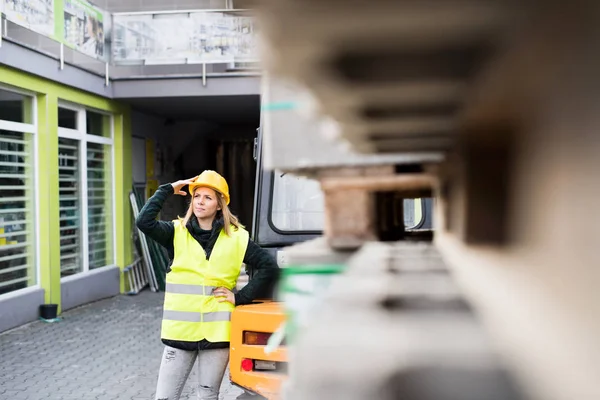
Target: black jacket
point(265, 267)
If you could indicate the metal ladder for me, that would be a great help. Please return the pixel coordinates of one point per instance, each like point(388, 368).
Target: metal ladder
point(151, 277)
point(136, 276)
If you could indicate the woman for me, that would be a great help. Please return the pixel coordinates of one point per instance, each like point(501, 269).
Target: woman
point(207, 247)
point(90, 41)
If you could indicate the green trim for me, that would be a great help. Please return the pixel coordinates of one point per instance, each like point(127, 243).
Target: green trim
point(35, 84)
point(313, 269)
point(30, 182)
point(109, 231)
point(88, 9)
point(59, 20)
point(44, 207)
point(49, 257)
point(123, 185)
point(288, 287)
point(48, 94)
point(28, 110)
point(50, 175)
point(279, 106)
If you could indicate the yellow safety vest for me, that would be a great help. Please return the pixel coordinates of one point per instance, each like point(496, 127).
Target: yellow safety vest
point(190, 311)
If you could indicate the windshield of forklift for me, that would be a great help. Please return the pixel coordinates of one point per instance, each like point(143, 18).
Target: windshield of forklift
point(298, 205)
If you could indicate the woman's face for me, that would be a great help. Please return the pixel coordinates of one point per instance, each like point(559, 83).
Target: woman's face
point(205, 203)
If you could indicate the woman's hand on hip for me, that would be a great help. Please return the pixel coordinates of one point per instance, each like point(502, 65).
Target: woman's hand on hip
point(223, 295)
point(179, 184)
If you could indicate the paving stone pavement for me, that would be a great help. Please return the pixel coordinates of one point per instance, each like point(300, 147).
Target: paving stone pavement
point(106, 350)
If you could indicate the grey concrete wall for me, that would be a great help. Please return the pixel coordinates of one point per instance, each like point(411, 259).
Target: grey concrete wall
point(186, 87)
point(158, 5)
point(85, 288)
point(18, 309)
point(24, 59)
point(127, 71)
point(138, 159)
point(147, 126)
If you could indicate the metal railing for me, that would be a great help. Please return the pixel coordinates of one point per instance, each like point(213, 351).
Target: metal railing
point(138, 44)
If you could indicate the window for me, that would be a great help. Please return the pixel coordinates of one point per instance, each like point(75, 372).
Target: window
point(97, 124)
point(298, 205)
point(86, 189)
point(413, 212)
point(18, 267)
point(67, 118)
point(69, 206)
point(100, 196)
point(15, 107)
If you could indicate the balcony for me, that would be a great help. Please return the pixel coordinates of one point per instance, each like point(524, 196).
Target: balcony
point(200, 44)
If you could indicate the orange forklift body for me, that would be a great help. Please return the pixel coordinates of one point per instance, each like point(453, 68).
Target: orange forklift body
point(260, 318)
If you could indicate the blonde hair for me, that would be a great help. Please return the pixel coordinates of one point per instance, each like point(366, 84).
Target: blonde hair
point(229, 219)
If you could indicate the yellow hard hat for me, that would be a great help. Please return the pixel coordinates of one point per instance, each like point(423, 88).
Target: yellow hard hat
point(213, 180)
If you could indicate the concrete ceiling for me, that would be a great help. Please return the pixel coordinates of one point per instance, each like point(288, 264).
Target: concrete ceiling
point(223, 110)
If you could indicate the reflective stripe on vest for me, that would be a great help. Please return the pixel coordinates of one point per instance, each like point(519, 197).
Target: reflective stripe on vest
point(189, 316)
point(189, 289)
point(191, 313)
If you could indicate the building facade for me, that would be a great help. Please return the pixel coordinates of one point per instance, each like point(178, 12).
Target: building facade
point(79, 131)
point(65, 175)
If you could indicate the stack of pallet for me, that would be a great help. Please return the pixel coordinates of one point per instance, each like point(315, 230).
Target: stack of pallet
point(395, 326)
point(497, 102)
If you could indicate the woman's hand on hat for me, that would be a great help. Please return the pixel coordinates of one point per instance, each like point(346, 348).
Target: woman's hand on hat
point(223, 295)
point(180, 184)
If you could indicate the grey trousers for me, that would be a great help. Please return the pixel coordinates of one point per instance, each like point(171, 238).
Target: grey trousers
point(176, 366)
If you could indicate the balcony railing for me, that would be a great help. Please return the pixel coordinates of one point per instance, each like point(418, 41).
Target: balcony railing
point(132, 45)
